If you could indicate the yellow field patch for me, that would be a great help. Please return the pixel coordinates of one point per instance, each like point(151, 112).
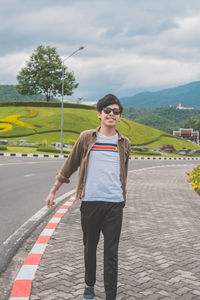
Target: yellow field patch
point(32, 112)
point(5, 127)
point(13, 119)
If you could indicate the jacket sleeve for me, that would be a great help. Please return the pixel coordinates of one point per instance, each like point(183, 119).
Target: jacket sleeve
point(73, 161)
point(128, 151)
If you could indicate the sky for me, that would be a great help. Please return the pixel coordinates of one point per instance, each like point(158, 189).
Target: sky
point(130, 45)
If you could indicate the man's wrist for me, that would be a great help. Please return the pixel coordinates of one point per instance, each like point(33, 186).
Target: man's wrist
point(54, 188)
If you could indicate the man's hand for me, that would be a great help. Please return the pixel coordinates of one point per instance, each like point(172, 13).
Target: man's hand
point(50, 200)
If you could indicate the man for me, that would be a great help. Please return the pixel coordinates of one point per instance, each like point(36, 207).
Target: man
point(102, 155)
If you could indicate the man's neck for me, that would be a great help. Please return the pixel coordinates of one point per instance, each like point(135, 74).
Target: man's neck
point(107, 131)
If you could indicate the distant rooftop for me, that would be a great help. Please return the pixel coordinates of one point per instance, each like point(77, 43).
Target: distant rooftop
point(188, 134)
point(183, 107)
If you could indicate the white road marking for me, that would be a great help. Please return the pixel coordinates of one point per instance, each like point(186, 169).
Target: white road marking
point(28, 163)
point(163, 166)
point(55, 220)
point(38, 249)
point(68, 203)
point(27, 272)
point(47, 232)
point(29, 175)
point(62, 211)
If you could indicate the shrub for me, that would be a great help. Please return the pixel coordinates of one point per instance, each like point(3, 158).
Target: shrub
point(44, 142)
point(3, 148)
point(51, 149)
point(70, 142)
point(47, 104)
point(195, 179)
point(168, 146)
point(145, 153)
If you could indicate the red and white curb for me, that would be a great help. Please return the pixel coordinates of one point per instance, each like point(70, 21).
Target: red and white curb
point(33, 155)
point(21, 289)
point(65, 156)
point(162, 158)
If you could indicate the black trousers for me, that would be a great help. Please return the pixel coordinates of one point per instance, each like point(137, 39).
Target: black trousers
point(97, 216)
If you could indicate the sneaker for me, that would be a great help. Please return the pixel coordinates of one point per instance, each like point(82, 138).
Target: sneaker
point(89, 293)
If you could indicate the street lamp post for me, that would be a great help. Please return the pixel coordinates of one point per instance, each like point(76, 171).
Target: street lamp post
point(63, 70)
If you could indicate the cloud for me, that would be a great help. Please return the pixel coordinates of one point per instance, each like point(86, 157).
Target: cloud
point(10, 65)
point(129, 45)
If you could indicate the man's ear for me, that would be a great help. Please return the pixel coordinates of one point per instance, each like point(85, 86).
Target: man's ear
point(99, 115)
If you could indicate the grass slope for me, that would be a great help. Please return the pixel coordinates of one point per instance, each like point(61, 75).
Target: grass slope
point(46, 121)
point(9, 93)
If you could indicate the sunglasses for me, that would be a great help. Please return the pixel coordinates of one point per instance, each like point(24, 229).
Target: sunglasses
point(108, 110)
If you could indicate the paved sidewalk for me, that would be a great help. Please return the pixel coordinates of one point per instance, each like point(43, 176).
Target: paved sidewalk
point(159, 254)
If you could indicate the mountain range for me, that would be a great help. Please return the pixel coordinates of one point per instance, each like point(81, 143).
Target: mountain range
point(188, 95)
point(8, 93)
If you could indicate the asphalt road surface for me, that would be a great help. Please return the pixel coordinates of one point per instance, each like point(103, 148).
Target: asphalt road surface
point(25, 183)
point(24, 186)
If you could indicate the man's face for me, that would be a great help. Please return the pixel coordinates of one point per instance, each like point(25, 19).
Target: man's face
point(109, 117)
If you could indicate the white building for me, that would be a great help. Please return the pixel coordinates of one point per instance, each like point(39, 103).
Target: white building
point(183, 107)
point(188, 134)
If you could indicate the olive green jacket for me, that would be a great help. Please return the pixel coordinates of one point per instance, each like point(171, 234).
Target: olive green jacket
point(79, 157)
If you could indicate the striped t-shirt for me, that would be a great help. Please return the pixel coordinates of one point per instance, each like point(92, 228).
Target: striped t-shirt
point(103, 172)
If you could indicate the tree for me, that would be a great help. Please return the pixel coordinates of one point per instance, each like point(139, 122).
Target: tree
point(193, 123)
point(43, 75)
point(79, 100)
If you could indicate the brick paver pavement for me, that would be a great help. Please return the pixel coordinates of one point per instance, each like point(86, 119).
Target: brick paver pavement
point(159, 254)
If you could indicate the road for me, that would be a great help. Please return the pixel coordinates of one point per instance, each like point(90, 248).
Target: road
point(25, 183)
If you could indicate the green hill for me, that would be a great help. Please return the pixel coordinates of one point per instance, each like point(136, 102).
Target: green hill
point(163, 118)
point(187, 95)
point(8, 93)
point(35, 124)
